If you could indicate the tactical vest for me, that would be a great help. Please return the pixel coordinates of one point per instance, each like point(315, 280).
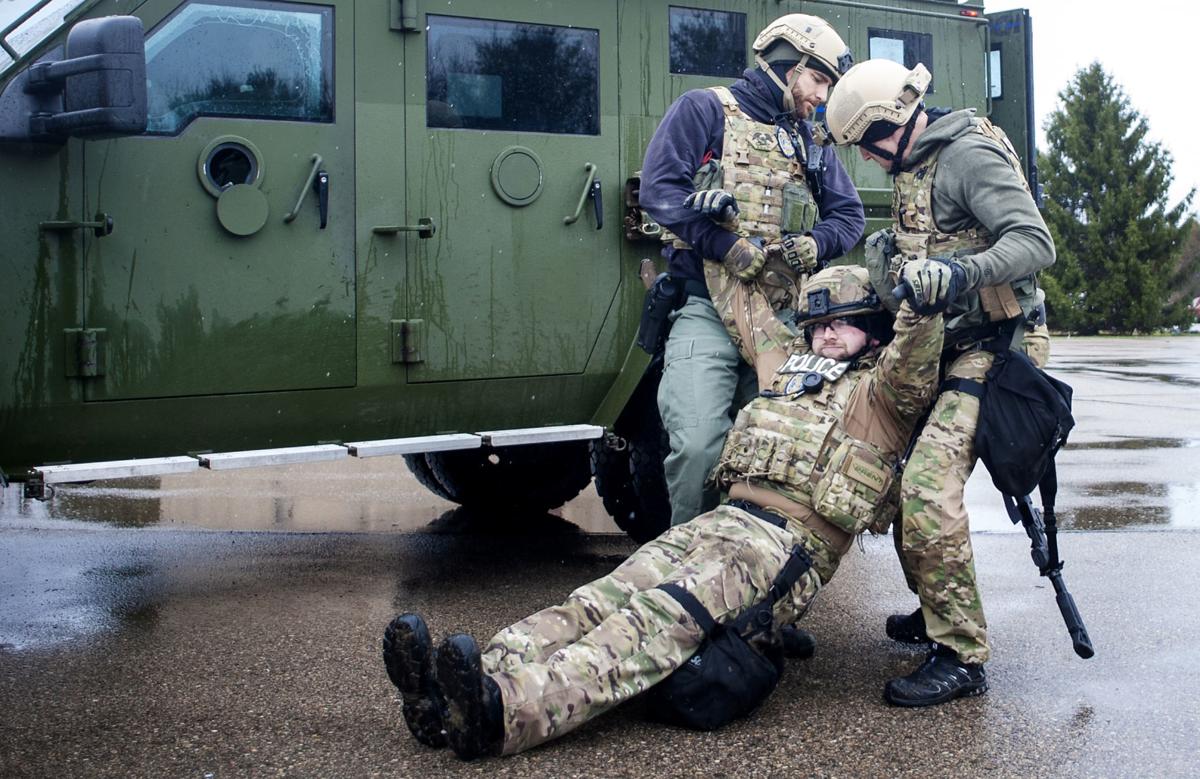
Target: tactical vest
point(917, 236)
point(803, 452)
point(763, 168)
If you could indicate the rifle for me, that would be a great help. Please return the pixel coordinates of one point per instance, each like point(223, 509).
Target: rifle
point(1043, 548)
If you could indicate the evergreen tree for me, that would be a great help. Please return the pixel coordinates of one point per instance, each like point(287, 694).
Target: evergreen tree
point(1106, 185)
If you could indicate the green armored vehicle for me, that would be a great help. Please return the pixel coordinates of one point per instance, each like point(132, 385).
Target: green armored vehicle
point(243, 232)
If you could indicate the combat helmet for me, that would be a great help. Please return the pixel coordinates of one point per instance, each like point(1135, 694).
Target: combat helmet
point(872, 101)
point(843, 292)
point(808, 41)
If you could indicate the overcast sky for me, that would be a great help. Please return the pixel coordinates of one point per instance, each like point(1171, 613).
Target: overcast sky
point(1148, 47)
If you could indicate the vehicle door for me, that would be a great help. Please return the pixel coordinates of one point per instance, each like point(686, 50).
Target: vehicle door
point(512, 144)
point(1010, 82)
point(230, 267)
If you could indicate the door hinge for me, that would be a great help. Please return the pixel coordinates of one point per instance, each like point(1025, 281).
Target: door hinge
point(402, 16)
point(85, 351)
point(407, 340)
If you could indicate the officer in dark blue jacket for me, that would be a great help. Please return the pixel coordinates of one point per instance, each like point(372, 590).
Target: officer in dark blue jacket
point(747, 143)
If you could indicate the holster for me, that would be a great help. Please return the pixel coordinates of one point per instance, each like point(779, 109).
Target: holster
point(663, 297)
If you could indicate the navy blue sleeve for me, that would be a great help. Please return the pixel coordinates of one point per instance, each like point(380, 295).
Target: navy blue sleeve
point(842, 220)
point(693, 126)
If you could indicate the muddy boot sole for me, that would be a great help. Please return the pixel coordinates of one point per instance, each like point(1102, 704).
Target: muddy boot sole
point(470, 728)
point(408, 658)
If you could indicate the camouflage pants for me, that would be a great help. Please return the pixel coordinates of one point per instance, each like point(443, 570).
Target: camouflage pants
point(618, 636)
point(935, 535)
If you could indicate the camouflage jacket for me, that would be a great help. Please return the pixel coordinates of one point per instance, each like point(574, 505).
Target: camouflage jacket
point(837, 449)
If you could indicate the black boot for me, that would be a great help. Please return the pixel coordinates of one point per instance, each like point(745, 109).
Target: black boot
point(942, 677)
point(474, 711)
point(798, 643)
point(408, 657)
point(907, 628)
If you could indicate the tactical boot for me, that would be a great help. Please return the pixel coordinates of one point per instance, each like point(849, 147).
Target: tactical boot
point(798, 643)
point(907, 628)
point(474, 716)
point(942, 677)
point(408, 657)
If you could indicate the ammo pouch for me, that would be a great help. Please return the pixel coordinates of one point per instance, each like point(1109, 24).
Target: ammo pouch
point(663, 297)
point(1024, 418)
point(727, 677)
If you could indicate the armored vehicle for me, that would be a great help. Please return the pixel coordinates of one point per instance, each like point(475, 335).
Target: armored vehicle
point(243, 232)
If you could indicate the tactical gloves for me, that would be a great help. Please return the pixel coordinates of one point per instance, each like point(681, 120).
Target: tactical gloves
point(798, 251)
point(931, 285)
point(717, 204)
point(744, 260)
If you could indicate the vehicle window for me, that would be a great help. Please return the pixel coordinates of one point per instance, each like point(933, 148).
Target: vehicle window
point(707, 43)
point(490, 75)
point(995, 74)
point(259, 60)
point(44, 22)
point(907, 48)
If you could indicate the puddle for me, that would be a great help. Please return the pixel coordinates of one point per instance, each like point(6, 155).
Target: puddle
point(1135, 443)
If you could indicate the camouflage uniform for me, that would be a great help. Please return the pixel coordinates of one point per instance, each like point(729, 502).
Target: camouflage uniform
point(934, 540)
point(824, 462)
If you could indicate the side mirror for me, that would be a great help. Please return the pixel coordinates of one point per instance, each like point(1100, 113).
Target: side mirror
point(97, 91)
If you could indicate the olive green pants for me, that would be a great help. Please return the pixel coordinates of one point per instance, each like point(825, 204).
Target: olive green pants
point(704, 383)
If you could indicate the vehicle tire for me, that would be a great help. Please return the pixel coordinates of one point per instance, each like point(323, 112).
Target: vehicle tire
point(420, 468)
point(537, 477)
point(630, 481)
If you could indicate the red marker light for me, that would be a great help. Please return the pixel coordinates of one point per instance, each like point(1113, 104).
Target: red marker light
point(968, 12)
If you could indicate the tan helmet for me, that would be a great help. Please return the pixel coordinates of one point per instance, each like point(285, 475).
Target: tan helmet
point(871, 91)
point(836, 292)
point(803, 39)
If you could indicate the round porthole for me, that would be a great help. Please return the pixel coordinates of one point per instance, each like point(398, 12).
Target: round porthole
point(227, 162)
point(517, 175)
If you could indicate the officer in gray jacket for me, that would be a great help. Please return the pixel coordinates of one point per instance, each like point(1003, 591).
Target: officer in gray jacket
point(959, 197)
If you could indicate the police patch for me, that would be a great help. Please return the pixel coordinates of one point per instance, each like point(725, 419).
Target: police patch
point(786, 147)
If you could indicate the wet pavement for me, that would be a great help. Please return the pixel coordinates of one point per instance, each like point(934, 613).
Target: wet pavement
point(227, 624)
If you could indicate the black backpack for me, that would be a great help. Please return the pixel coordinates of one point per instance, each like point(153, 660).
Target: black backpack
point(1024, 418)
point(727, 677)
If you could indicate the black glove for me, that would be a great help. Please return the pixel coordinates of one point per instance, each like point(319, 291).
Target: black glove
point(717, 204)
point(931, 285)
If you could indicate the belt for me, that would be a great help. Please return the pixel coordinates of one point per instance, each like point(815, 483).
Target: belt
point(770, 517)
point(831, 535)
point(695, 289)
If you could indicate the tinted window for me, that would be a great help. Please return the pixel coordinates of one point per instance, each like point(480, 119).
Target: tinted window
point(487, 75)
point(708, 43)
point(260, 60)
point(995, 74)
point(907, 48)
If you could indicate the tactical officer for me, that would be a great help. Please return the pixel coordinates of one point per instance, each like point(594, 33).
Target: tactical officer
point(960, 198)
point(750, 140)
point(809, 462)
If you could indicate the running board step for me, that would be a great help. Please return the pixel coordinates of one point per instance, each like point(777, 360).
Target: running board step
point(39, 478)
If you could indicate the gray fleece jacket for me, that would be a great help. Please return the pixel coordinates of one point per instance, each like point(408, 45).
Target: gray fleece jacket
point(974, 184)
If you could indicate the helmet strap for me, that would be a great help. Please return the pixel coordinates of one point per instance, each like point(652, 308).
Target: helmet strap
point(897, 158)
point(789, 103)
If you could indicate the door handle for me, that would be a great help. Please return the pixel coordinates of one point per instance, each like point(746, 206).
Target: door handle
point(308, 184)
point(597, 202)
point(101, 226)
point(424, 228)
point(588, 187)
point(321, 185)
